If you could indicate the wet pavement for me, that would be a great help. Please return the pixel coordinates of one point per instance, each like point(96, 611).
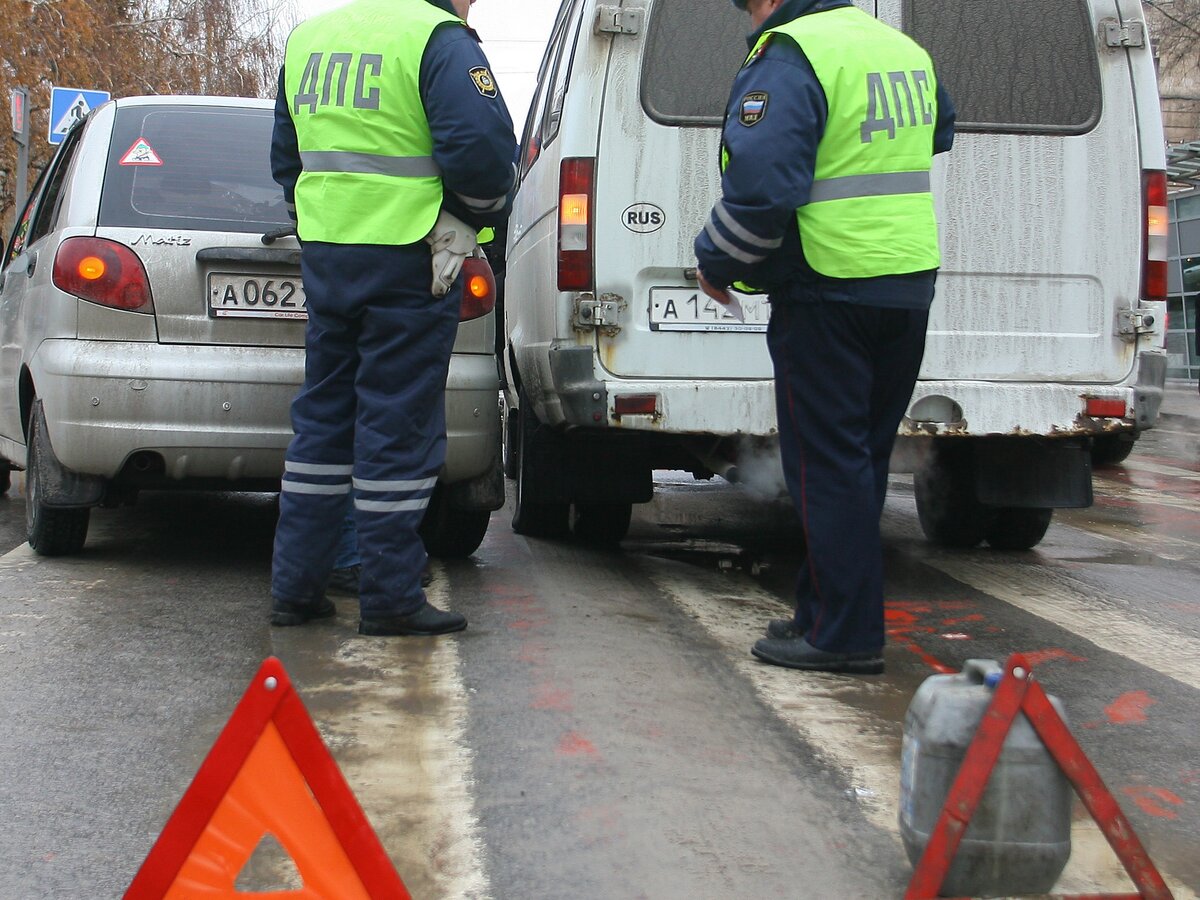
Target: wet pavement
point(600, 730)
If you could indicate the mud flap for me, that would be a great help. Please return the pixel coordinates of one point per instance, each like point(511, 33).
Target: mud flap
point(485, 491)
point(1033, 472)
point(60, 487)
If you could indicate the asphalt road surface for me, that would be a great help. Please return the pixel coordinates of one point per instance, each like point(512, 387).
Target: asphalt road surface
point(600, 730)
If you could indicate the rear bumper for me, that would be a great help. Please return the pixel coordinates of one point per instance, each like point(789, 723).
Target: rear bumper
point(1052, 409)
point(216, 412)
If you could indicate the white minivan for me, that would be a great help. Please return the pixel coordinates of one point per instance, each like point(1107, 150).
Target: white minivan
point(1046, 336)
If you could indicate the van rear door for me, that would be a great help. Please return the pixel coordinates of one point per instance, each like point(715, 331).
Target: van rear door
point(1039, 203)
point(657, 177)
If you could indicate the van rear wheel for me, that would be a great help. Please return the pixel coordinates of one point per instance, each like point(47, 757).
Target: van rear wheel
point(947, 507)
point(1016, 528)
point(535, 458)
point(601, 523)
point(1111, 449)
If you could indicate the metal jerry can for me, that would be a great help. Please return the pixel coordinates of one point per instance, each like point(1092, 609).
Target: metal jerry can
point(1019, 839)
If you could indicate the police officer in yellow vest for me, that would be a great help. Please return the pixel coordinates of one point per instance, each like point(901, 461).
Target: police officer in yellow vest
point(393, 142)
point(827, 147)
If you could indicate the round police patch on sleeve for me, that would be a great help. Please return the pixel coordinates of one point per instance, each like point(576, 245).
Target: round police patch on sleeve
point(753, 108)
point(484, 82)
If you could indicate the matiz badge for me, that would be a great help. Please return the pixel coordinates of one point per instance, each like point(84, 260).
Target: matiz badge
point(754, 107)
point(484, 82)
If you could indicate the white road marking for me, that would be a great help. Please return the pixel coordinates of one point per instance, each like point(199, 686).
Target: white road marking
point(401, 745)
point(1100, 619)
point(822, 710)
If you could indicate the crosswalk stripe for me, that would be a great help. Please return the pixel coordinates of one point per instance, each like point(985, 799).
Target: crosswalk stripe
point(411, 771)
point(818, 707)
point(1084, 611)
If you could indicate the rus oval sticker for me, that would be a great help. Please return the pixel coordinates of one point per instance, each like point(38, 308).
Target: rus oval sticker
point(643, 218)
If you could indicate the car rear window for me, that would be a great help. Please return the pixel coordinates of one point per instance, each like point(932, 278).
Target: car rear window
point(1013, 66)
point(192, 167)
point(694, 48)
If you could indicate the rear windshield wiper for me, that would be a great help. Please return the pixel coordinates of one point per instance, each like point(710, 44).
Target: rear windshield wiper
point(272, 236)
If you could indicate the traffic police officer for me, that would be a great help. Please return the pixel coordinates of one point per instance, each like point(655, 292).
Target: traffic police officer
point(387, 121)
point(828, 141)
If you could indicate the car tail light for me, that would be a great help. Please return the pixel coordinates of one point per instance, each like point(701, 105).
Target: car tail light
point(575, 194)
point(479, 289)
point(103, 272)
point(1154, 254)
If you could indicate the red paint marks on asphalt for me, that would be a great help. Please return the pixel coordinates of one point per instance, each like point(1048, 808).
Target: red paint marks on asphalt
point(575, 744)
point(959, 620)
point(901, 618)
point(533, 652)
point(1150, 800)
point(1037, 657)
point(547, 696)
point(1130, 708)
point(1190, 776)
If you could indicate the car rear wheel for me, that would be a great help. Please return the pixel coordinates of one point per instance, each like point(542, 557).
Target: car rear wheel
point(601, 523)
point(535, 457)
point(1014, 528)
point(449, 532)
point(51, 531)
point(5, 477)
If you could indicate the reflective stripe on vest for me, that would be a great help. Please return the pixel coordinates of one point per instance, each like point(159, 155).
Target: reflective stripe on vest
point(870, 212)
point(352, 80)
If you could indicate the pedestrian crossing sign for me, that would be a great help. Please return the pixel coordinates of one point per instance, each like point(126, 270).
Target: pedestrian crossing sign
point(69, 106)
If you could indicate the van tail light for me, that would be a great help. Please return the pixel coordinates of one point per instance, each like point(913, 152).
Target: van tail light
point(103, 272)
point(576, 192)
point(479, 289)
point(1154, 253)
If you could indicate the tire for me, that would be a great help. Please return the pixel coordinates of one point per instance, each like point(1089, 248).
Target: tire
point(601, 523)
point(532, 519)
point(1111, 449)
point(949, 512)
point(5, 478)
point(51, 531)
point(1014, 528)
point(449, 532)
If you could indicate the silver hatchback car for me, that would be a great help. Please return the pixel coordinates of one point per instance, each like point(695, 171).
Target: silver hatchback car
point(152, 327)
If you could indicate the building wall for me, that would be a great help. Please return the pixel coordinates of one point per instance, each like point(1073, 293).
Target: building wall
point(1183, 285)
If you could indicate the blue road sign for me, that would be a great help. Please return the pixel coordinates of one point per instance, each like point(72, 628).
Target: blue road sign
point(71, 105)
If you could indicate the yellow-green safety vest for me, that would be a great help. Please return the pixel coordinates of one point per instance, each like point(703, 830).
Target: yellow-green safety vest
point(870, 212)
point(352, 78)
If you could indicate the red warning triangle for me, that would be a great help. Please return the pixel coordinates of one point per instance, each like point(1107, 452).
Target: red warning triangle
point(269, 773)
point(141, 154)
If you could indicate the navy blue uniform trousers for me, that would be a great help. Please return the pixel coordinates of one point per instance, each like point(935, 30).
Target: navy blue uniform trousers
point(369, 420)
point(844, 373)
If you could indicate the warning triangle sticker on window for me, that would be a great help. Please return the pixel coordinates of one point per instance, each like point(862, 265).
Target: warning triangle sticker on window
point(269, 777)
point(141, 154)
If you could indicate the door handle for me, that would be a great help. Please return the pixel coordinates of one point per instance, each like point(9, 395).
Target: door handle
point(31, 265)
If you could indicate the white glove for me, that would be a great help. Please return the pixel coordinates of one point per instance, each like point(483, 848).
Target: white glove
point(452, 241)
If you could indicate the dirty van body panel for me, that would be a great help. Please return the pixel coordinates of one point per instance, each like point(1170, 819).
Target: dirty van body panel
point(1040, 220)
